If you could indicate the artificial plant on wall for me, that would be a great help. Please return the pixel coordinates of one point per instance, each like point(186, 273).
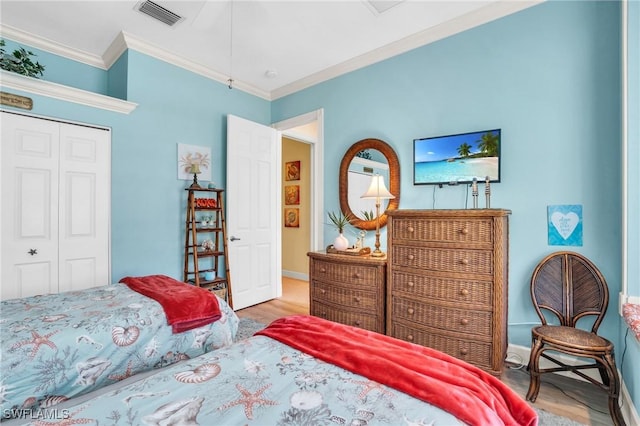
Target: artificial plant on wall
point(20, 62)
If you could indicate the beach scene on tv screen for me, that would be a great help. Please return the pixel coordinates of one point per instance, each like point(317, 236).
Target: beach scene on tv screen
point(457, 158)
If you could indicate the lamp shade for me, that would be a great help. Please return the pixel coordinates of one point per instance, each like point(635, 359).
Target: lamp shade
point(195, 168)
point(377, 189)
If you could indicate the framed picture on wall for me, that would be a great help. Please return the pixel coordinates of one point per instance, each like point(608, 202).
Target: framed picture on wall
point(189, 155)
point(292, 170)
point(564, 224)
point(291, 218)
point(292, 194)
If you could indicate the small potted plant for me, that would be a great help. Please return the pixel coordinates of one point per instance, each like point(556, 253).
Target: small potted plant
point(340, 221)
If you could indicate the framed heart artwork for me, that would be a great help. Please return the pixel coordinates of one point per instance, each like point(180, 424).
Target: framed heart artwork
point(564, 223)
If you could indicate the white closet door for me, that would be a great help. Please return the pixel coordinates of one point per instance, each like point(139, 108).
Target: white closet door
point(55, 206)
point(84, 207)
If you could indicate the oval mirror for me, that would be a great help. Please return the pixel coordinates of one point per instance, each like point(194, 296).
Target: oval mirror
point(363, 160)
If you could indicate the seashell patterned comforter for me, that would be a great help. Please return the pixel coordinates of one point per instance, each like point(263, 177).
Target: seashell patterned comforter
point(272, 378)
point(58, 346)
point(258, 381)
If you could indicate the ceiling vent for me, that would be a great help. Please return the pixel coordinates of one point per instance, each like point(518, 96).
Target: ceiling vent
point(158, 12)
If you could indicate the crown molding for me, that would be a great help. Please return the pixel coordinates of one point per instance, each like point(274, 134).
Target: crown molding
point(50, 46)
point(58, 91)
point(124, 41)
point(120, 44)
point(490, 12)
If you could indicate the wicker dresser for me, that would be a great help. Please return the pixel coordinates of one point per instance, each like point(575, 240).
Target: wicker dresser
point(348, 289)
point(447, 282)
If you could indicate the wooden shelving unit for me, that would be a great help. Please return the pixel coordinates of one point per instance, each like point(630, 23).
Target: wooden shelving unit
point(199, 262)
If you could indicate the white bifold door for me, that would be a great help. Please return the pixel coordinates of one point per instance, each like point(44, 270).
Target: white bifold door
point(55, 206)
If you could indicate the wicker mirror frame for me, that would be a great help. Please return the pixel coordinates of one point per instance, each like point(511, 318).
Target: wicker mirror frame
point(394, 181)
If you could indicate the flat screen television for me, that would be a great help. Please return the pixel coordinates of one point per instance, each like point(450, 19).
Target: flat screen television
point(457, 159)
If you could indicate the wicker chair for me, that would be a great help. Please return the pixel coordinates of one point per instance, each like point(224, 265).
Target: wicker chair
point(569, 286)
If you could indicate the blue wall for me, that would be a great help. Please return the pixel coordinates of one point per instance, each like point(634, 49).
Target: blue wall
point(549, 76)
point(631, 366)
point(555, 94)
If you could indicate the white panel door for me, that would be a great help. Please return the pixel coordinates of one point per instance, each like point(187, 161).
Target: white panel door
point(84, 208)
point(55, 206)
point(253, 211)
point(30, 206)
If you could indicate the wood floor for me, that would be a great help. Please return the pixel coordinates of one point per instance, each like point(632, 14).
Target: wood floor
point(576, 400)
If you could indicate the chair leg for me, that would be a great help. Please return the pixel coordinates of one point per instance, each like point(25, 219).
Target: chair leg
point(534, 371)
point(613, 380)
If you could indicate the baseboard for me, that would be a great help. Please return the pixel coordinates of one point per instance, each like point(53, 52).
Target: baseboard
point(520, 355)
point(295, 275)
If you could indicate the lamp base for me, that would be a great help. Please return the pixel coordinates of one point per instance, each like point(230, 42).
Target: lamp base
point(377, 253)
point(195, 184)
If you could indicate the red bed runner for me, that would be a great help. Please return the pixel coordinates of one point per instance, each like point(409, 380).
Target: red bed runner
point(463, 390)
point(185, 305)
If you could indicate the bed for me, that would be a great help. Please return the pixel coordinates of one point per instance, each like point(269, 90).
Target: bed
point(306, 370)
point(58, 346)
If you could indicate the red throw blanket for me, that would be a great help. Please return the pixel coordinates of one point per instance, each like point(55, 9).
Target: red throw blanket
point(185, 305)
point(463, 390)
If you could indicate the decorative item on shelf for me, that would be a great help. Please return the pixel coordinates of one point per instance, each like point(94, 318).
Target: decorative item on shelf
point(350, 251)
point(487, 192)
point(207, 245)
point(20, 62)
point(360, 239)
point(378, 191)
point(206, 203)
point(195, 170)
point(209, 275)
point(211, 185)
point(474, 192)
point(340, 220)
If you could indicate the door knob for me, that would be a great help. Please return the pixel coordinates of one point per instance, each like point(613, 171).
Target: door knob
point(233, 238)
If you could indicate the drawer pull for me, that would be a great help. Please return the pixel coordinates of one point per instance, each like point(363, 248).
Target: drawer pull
point(411, 284)
point(323, 291)
point(410, 229)
point(356, 299)
point(464, 261)
point(356, 275)
point(411, 257)
point(323, 270)
point(464, 321)
point(464, 231)
point(464, 351)
point(356, 323)
point(464, 292)
point(410, 337)
point(410, 311)
point(323, 314)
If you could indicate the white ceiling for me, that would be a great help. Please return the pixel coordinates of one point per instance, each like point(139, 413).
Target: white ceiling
point(302, 42)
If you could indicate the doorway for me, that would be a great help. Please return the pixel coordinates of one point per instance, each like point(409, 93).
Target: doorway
point(308, 129)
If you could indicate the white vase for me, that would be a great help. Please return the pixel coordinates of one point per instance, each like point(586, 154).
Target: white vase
point(341, 242)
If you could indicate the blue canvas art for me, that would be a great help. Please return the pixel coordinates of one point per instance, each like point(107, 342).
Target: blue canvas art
point(565, 225)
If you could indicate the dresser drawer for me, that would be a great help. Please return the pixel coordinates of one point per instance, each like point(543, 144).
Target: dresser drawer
point(345, 273)
point(472, 351)
point(447, 319)
point(470, 292)
point(350, 297)
point(339, 314)
point(468, 230)
point(464, 261)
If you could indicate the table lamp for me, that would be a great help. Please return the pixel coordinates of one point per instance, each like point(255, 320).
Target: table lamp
point(377, 191)
point(195, 169)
